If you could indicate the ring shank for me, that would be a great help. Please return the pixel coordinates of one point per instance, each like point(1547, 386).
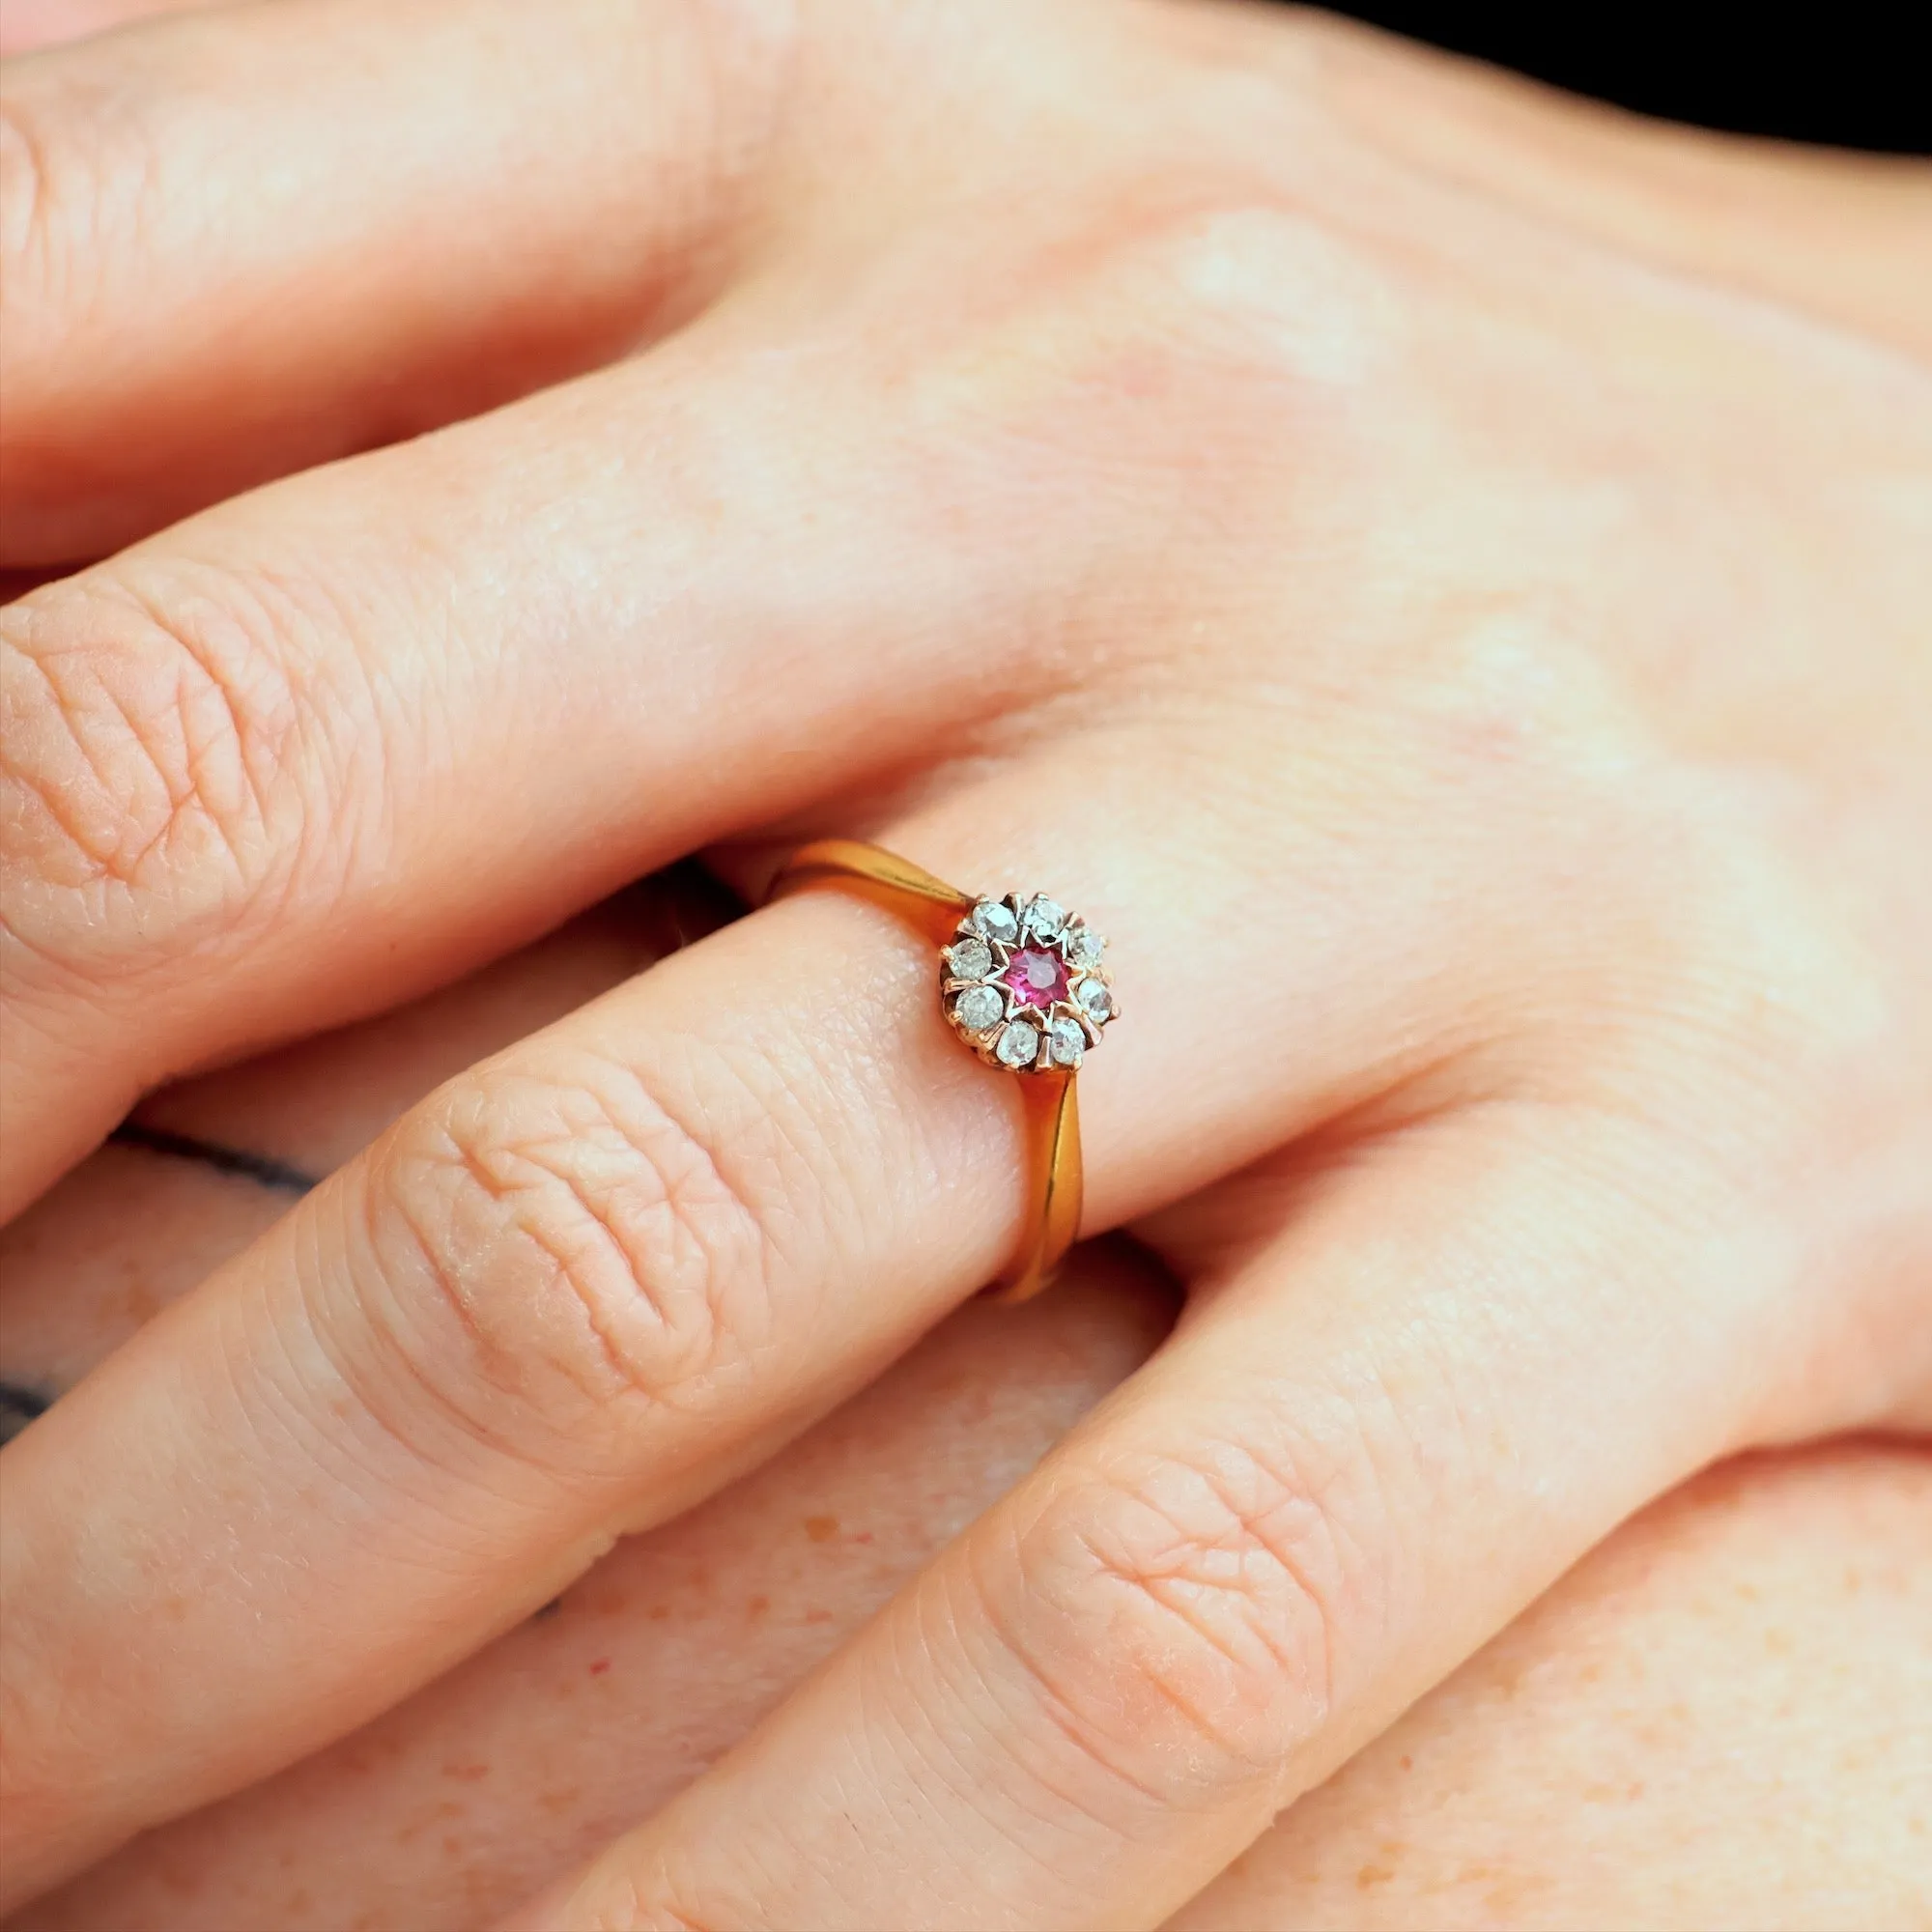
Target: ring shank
point(1050, 1111)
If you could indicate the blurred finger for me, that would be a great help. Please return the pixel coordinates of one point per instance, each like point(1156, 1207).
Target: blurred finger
point(28, 24)
point(246, 240)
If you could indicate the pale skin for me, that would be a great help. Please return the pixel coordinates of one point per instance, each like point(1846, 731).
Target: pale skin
point(1715, 1721)
point(1437, 575)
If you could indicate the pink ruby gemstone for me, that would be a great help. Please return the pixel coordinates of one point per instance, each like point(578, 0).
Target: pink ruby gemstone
point(1039, 978)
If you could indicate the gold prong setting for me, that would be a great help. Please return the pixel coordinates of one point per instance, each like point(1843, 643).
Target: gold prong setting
point(1022, 982)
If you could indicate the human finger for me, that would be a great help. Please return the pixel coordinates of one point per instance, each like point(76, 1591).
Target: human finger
point(208, 1167)
point(334, 743)
point(246, 240)
point(589, 1282)
point(597, 1710)
point(29, 24)
point(1366, 1450)
point(204, 1167)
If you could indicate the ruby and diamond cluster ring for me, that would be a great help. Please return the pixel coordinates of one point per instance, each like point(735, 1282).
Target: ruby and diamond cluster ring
point(1022, 984)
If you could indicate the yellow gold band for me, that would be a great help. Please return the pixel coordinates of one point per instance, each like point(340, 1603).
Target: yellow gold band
point(1050, 1111)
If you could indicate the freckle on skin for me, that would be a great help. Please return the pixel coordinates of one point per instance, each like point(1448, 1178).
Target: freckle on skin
point(466, 1773)
point(555, 1802)
point(1407, 1762)
point(818, 1616)
point(821, 1528)
point(757, 1606)
point(184, 1883)
point(598, 1668)
point(862, 1536)
point(657, 1613)
point(1371, 1875)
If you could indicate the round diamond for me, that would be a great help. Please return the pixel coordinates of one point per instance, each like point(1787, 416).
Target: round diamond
point(1093, 996)
point(1045, 917)
point(978, 1008)
point(1067, 1042)
point(995, 921)
point(971, 959)
point(1018, 1044)
point(1085, 948)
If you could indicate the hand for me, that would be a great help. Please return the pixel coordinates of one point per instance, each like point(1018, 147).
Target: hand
point(1581, 1766)
point(1447, 615)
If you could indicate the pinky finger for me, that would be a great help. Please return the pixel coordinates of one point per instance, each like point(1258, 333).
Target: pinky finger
point(1360, 1456)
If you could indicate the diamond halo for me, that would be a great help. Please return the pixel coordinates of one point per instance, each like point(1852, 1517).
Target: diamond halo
point(1021, 982)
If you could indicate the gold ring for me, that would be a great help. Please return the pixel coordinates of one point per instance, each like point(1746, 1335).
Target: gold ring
point(1021, 982)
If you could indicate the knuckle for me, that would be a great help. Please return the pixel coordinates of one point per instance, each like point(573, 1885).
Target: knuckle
point(557, 1251)
point(1248, 282)
point(1257, 316)
point(1230, 322)
point(1183, 1615)
point(148, 766)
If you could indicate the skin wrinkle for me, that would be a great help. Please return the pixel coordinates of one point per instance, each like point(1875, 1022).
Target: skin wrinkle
point(48, 794)
point(566, 1270)
point(346, 1362)
point(244, 729)
point(1052, 1703)
point(193, 803)
point(1028, 1765)
point(1169, 1584)
point(104, 855)
point(723, 1341)
point(1303, 1666)
point(298, 607)
point(717, 1152)
point(685, 1181)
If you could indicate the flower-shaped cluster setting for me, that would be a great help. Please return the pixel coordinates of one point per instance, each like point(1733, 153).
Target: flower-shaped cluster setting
point(1022, 982)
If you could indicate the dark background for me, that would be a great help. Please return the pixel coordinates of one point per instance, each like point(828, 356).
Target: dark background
point(1855, 74)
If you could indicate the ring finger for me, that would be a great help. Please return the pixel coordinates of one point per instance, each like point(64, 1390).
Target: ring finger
point(591, 1280)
